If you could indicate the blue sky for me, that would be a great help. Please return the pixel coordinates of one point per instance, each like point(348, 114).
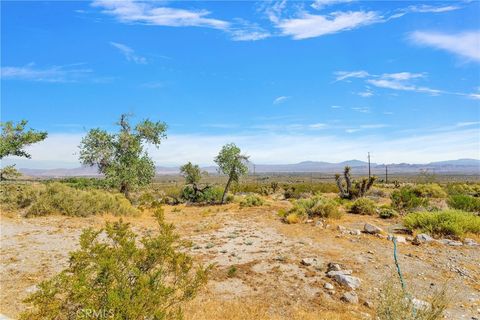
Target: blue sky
point(327, 80)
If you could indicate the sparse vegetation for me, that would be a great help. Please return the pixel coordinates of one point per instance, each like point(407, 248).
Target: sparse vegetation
point(363, 206)
point(396, 304)
point(317, 206)
point(58, 198)
point(121, 278)
point(429, 190)
point(464, 202)
point(352, 189)
point(387, 213)
point(453, 223)
point(251, 200)
point(406, 199)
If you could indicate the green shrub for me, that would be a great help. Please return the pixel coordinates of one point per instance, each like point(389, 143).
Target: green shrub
point(87, 183)
point(251, 201)
point(406, 199)
point(429, 190)
point(119, 277)
point(363, 206)
point(464, 202)
point(316, 206)
point(453, 223)
point(387, 213)
point(396, 304)
point(58, 198)
point(464, 189)
point(18, 196)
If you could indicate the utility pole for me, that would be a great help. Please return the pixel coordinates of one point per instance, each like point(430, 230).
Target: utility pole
point(386, 174)
point(369, 172)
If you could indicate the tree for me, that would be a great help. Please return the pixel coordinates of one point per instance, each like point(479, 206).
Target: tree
point(116, 275)
point(231, 163)
point(353, 189)
point(121, 156)
point(14, 138)
point(193, 175)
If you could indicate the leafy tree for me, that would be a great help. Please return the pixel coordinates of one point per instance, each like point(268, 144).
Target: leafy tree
point(232, 163)
point(114, 275)
point(121, 156)
point(14, 138)
point(193, 175)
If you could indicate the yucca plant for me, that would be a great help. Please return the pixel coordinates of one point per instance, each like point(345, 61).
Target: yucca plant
point(353, 189)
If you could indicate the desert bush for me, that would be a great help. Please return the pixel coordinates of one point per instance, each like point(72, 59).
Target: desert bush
point(303, 190)
point(292, 218)
point(463, 189)
point(464, 202)
point(395, 304)
point(429, 190)
point(387, 213)
point(87, 183)
point(406, 199)
point(316, 206)
point(18, 196)
point(251, 201)
point(58, 198)
point(119, 277)
point(454, 223)
point(363, 206)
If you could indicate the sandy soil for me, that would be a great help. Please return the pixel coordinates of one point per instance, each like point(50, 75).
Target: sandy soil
point(270, 281)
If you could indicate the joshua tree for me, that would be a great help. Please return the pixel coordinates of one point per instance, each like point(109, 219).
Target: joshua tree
point(14, 138)
point(231, 163)
point(353, 189)
point(121, 156)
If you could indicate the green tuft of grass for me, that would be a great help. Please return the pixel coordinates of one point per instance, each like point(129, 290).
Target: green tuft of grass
point(452, 223)
point(464, 202)
point(363, 206)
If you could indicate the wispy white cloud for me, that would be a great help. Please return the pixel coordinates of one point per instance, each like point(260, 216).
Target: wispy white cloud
point(308, 25)
point(465, 44)
point(243, 30)
point(280, 99)
point(361, 109)
point(468, 123)
point(320, 4)
point(424, 8)
point(367, 93)
point(148, 13)
point(344, 75)
point(129, 53)
point(67, 73)
point(287, 148)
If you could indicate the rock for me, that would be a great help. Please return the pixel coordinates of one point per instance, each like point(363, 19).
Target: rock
point(400, 239)
point(470, 242)
point(309, 221)
point(450, 242)
point(319, 224)
point(333, 266)
point(341, 228)
point(372, 229)
point(314, 262)
point(355, 232)
point(349, 281)
point(328, 286)
point(350, 297)
point(368, 304)
point(420, 304)
point(332, 274)
point(422, 238)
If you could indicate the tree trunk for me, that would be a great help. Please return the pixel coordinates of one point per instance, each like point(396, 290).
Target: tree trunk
point(124, 189)
point(226, 189)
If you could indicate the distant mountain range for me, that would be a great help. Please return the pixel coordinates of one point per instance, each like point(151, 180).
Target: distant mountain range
point(460, 166)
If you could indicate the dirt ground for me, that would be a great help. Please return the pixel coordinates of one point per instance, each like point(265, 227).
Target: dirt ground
point(269, 281)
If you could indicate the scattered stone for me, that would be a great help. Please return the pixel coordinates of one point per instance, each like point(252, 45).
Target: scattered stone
point(334, 266)
point(341, 228)
point(349, 281)
point(319, 224)
point(314, 262)
point(422, 238)
point(355, 232)
point(372, 229)
point(470, 242)
point(368, 304)
point(328, 286)
point(400, 239)
point(350, 297)
point(420, 304)
point(450, 242)
point(332, 274)
point(309, 221)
